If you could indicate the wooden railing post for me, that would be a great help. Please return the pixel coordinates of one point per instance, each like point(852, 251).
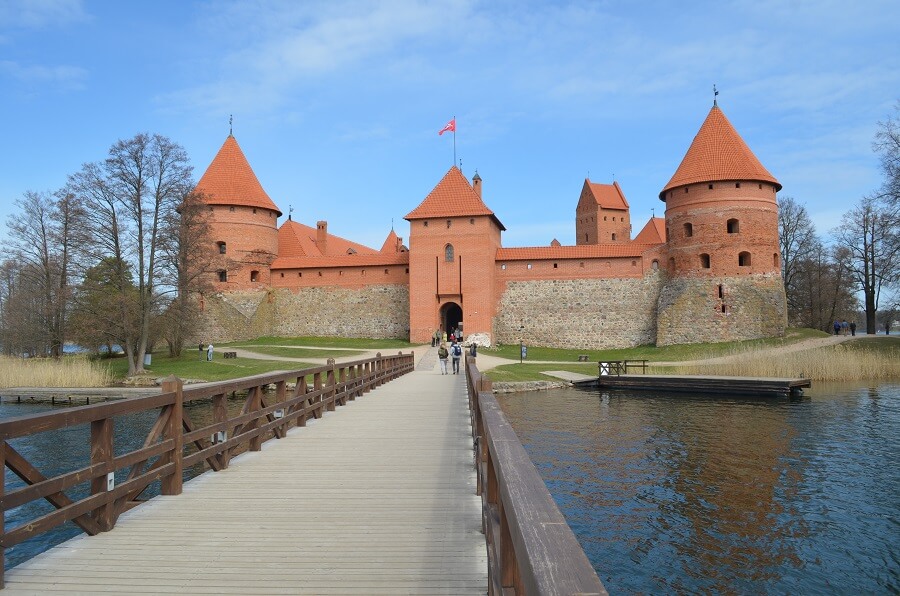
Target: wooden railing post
point(332, 393)
point(220, 414)
point(255, 405)
point(280, 397)
point(317, 386)
point(102, 453)
point(172, 485)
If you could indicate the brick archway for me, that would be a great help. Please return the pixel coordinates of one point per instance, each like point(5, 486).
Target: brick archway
point(451, 316)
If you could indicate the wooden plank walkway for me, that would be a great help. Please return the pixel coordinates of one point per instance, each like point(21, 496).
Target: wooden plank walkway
point(377, 497)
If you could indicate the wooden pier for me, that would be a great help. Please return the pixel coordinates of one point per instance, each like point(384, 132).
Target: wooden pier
point(703, 384)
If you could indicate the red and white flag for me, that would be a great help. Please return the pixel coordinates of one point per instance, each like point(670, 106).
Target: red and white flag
point(450, 127)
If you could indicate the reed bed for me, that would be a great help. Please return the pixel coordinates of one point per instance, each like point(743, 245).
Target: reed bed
point(71, 371)
point(833, 363)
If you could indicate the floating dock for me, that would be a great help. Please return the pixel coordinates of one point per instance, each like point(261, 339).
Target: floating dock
point(754, 386)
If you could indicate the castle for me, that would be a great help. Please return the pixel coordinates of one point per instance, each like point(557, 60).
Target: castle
point(708, 272)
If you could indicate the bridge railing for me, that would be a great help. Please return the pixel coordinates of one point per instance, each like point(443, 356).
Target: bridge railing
point(531, 549)
point(97, 495)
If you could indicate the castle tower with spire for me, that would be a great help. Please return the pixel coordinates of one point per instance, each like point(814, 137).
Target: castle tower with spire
point(243, 220)
point(723, 255)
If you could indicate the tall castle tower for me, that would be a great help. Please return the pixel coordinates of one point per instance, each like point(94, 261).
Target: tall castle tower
point(243, 220)
point(453, 242)
point(602, 215)
point(722, 235)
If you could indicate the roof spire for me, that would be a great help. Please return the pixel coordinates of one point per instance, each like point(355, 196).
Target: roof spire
point(290, 211)
point(230, 129)
point(715, 93)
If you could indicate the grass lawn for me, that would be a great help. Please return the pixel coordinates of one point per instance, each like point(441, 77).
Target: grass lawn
point(326, 342)
point(513, 373)
point(880, 344)
point(189, 366)
point(301, 352)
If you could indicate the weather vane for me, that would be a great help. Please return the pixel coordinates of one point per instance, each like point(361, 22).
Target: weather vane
point(715, 93)
point(230, 121)
point(290, 211)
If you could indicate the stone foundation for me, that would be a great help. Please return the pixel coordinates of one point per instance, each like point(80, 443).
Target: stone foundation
point(691, 309)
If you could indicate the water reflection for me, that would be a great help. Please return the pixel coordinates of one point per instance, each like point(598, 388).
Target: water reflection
point(690, 494)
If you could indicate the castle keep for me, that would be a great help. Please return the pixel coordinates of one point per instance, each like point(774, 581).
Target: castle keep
point(709, 271)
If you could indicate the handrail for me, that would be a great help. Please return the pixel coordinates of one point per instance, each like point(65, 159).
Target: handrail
point(173, 442)
point(531, 548)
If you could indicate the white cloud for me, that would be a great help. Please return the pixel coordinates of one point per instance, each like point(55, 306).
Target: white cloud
point(65, 77)
point(40, 14)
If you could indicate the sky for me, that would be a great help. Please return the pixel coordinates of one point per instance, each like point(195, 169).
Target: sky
point(337, 104)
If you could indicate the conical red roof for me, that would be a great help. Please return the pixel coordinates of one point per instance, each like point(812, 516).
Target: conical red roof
point(452, 197)
point(229, 180)
point(718, 153)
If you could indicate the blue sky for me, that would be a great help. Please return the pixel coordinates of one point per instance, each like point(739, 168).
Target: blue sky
point(337, 103)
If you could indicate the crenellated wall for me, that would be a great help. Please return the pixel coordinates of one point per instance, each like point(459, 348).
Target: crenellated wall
point(580, 313)
point(725, 308)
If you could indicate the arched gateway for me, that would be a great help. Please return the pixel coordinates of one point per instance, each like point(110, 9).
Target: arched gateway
point(451, 317)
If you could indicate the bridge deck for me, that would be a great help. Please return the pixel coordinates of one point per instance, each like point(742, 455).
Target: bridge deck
point(377, 497)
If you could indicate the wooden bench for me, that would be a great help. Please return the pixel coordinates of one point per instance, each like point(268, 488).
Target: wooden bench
point(229, 355)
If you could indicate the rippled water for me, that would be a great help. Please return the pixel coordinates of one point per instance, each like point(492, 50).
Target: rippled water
point(672, 493)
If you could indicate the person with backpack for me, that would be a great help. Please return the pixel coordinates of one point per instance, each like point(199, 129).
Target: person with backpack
point(455, 352)
point(442, 356)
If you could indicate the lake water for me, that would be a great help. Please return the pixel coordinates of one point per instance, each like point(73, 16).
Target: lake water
point(673, 493)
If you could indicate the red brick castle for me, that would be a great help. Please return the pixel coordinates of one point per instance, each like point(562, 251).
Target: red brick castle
point(710, 271)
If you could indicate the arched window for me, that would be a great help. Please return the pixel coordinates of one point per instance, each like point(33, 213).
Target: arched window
point(223, 275)
point(733, 226)
point(704, 261)
point(221, 246)
point(744, 259)
point(688, 230)
point(448, 253)
point(654, 265)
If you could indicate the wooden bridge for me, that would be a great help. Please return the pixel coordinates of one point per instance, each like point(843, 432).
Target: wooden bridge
point(378, 498)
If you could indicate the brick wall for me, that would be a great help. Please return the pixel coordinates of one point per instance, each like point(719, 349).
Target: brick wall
point(580, 313)
point(691, 309)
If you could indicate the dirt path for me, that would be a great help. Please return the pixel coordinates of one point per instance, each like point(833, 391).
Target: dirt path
point(800, 346)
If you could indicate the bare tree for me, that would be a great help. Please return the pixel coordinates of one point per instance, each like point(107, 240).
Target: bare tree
point(797, 238)
point(887, 145)
point(128, 197)
point(869, 233)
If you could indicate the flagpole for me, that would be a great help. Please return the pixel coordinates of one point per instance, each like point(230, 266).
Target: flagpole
point(454, 140)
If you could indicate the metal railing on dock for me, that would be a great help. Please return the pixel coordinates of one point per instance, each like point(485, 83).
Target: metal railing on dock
point(173, 442)
point(531, 548)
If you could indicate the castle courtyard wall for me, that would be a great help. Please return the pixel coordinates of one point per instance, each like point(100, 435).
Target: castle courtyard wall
point(589, 313)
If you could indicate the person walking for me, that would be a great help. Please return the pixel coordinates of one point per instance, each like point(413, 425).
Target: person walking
point(442, 356)
point(837, 327)
point(853, 328)
point(455, 353)
point(209, 353)
point(845, 327)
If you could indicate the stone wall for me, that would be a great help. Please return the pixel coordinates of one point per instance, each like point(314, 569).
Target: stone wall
point(717, 309)
point(580, 313)
point(373, 311)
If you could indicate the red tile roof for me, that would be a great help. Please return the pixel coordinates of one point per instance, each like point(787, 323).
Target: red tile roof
point(296, 240)
point(583, 251)
point(391, 243)
point(229, 180)
point(654, 232)
point(452, 197)
point(608, 196)
point(718, 153)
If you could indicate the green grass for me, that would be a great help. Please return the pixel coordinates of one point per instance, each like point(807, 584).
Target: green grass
point(881, 344)
point(514, 373)
point(653, 353)
point(326, 342)
point(188, 366)
point(302, 352)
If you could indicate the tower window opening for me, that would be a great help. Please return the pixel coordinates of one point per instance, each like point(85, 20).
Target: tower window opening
point(686, 190)
point(585, 237)
point(614, 219)
point(724, 310)
point(737, 184)
point(449, 222)
point(654, 265)
point(320, 274)
point(223, 275)
point(704, 261)
point(254, 276)
point(340, 273)
point(604, 218)
point(775, 260)
point(503, 267)
point(721, 290)
point(299, 274)
point(425, 224)
point(633, 263)
point(733, 226)
point(472, 221)
point(254, 210)
point(614, 237)
point(448, 253)
point(710, 187)
point(581, 264)
point(282, 275)
point(744, 259)
point(407, 269)
point(385, 271)
point(760, 187)
point(231, 208)
point(555, 265)
point(529, 265)
point(688, 230)
point(221, 246)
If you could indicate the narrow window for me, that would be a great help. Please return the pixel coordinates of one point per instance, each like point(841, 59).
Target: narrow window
point(340, 273)
point(299, 274)
point(775, 260)
point(221, 246)
point(581, 264)
point(685, 190)
point(737, 184)
point(529, 265)
point(425, 224)
point(231, 208)
point(448, 253)
point(254, 276)
point(654, 265)
point(721, 290)
point(760, 187)
point(585, 237)
point(555, 265)
point(503, 267)
point(448, 223)
point(733, 226)
point(472, 221)
point(320, 274)
point(710, 187)
point(223, 275)
point(614, 237)
point(744, 259)
point(688, 230)
point(604, 218)
point(282, 275)
point(254, 210)
point(385, 271)
point(723, 309)
point(407, 269)
point(704, 261)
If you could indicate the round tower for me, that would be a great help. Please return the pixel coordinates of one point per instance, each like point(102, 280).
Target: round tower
point(723, 256)
point(243, 221)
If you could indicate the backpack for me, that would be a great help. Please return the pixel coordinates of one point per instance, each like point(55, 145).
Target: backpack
point(442, 352)
point(457, 351)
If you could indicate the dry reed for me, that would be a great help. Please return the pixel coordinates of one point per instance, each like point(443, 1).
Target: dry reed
point(71, 371)
point(833, 363)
